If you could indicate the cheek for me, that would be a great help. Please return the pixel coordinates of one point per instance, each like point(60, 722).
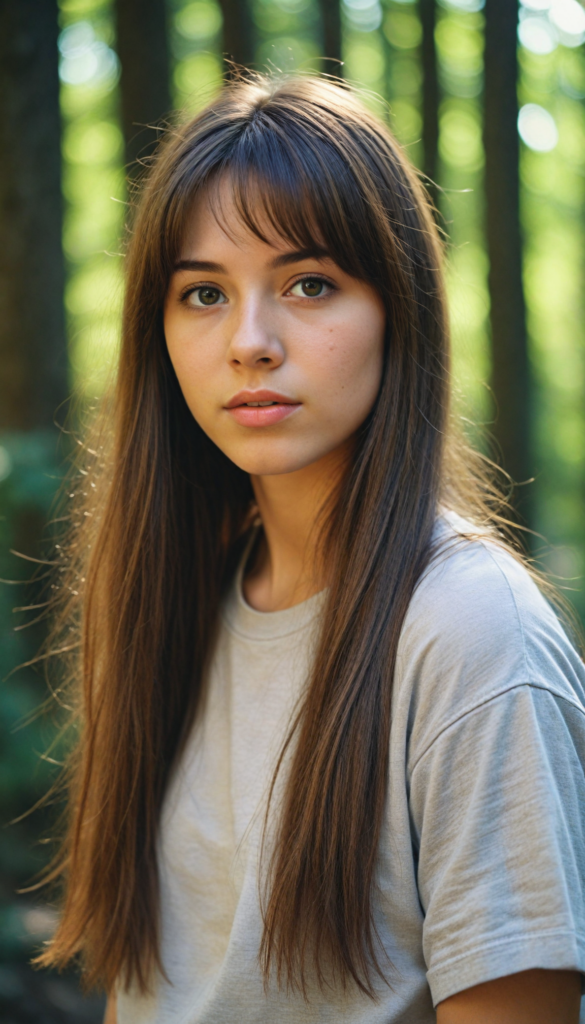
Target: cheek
point(194, 364)
point(349, 362)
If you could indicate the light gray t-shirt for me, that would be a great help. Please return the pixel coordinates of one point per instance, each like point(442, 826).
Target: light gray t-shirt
point(481, 869)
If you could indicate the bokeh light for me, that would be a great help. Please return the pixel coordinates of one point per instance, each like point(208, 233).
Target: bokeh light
point(86, 60)
point(537, 128)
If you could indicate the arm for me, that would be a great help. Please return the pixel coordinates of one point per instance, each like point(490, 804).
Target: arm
point(529, 997)
point(111, 1016)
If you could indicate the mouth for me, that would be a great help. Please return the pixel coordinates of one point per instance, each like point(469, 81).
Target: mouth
point(261, 408)
point(260, 405)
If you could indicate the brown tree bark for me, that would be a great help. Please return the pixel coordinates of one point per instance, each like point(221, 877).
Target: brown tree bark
point(33, 355)
point(142, 44)
point(430, 92)
point(331, 24)
point(239, 35)
point(511, 376)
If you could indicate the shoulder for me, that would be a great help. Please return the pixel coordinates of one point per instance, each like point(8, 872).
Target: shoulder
point(478, 626)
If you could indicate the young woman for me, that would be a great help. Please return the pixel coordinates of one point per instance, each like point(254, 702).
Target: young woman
point(332, 739)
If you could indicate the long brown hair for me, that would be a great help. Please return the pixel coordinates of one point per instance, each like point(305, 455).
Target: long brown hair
point(155, 540)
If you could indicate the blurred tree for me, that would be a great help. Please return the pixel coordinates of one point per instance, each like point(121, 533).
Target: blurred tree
point(141, 28)
point(430, 91)
point(33, 387)
point(511, 376)
point(239, 34)
point(33, 359)
point(331, 22)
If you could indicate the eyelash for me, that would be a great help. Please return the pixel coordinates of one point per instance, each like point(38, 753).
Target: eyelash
point(195, 288)
point(313, 277)
point(304, 277)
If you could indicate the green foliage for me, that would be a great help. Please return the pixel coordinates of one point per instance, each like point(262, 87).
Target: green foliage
point(402, 29)
point(195, 42)
point(287, 34)
point(198, 21)
point(94, 188)
point(553, 219)
point(30, 473)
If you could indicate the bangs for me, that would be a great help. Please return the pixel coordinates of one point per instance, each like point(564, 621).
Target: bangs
point(304, 163)
point(295, 186)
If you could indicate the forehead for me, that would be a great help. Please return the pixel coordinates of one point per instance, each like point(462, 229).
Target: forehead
point(214, 221)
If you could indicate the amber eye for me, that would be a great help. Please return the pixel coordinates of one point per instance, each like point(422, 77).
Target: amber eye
point(310, 287)
point(208, 296)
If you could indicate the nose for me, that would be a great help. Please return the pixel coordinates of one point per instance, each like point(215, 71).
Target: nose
point(254, 341)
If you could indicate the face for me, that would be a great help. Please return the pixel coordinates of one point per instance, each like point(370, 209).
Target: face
point(278, 353)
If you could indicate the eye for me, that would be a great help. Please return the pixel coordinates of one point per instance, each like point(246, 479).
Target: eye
point(205, 295)
point(310, 288)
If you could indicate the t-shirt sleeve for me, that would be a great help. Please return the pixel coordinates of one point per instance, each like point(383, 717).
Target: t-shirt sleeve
point(498, 817)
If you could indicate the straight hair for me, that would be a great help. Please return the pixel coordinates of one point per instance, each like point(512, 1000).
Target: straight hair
point(162, 517)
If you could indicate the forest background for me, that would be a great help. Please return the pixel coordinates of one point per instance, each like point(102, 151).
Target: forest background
point(487, 97)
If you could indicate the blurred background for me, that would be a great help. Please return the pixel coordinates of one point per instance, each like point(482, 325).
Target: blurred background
point(487, 97)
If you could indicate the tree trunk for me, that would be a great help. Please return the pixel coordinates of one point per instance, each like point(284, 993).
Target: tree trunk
point(33, 354)
point(511, 377)
point(144, 83)
point(331, 22)
point(239, 36)
point(430, 89)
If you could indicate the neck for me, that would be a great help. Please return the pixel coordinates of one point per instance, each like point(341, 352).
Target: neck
point(288, 569)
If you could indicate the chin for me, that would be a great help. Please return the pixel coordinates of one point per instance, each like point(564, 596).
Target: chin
point(273, 460)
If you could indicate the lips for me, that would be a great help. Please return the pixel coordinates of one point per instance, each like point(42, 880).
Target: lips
point(260, 408)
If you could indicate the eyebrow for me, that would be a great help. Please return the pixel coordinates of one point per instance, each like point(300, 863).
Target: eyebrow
point(283, 260)
point(297, 256)
point(212, 268)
